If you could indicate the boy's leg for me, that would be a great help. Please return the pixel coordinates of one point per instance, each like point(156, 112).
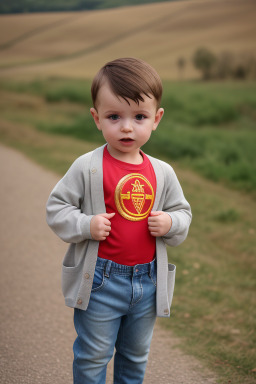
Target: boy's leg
point(136, 330)
point(93, 347)
point(97, 329)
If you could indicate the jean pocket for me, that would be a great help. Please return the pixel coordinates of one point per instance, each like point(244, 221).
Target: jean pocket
point(98, 279)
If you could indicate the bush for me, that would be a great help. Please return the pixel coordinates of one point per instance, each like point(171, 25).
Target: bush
point(204, 60)
point(225, 65)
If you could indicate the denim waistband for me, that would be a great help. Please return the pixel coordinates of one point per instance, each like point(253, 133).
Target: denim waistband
point(110, 266)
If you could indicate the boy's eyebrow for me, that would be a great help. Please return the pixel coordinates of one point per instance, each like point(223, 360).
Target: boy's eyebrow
point(112, 111)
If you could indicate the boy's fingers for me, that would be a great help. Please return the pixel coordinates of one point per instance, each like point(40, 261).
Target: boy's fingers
point(155, 213)
point(107, 215)
point(107, 228)
point(152, 221)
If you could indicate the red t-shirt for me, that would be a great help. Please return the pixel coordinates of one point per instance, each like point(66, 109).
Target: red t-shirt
point(129, 191)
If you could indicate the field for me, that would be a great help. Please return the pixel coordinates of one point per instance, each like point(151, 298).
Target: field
point(207, 133)
point(76, 44)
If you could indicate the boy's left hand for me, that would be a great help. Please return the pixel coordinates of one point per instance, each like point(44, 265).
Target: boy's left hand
point(159, 223)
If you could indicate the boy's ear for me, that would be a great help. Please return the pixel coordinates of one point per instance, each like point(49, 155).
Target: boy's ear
point(95, 116)
point(158, 117)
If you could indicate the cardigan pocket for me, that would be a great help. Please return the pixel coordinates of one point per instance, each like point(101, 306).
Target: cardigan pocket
point(171, 282)
point(71, 275)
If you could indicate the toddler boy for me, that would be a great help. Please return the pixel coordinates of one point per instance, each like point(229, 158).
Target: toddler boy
point(117, 207)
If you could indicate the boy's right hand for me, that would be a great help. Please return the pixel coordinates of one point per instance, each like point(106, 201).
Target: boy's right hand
point(101, 226)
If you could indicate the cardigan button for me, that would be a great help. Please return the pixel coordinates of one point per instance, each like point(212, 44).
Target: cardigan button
point(93, 170)
point(79, 301)
point(86, 276)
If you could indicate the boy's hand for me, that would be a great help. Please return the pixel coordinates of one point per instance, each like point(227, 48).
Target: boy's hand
point(101, 226)
point(159, 223)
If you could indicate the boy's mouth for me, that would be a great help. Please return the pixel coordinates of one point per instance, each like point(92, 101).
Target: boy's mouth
point(126, 140)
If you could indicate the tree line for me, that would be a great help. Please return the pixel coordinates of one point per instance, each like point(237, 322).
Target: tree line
point(27, 6)
point(221, 66)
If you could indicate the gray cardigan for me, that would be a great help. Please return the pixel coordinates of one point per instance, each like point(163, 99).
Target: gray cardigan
point(79, 195)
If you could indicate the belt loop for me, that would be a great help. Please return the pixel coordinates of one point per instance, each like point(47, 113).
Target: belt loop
point(107, 268)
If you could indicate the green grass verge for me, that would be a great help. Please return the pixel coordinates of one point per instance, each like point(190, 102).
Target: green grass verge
point(213, 307)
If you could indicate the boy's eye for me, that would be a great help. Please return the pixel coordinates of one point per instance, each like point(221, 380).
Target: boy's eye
point(140, 117)
point(113, 117)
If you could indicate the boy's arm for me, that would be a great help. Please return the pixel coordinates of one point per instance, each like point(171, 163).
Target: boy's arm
point(173, 221)
point(63, 209)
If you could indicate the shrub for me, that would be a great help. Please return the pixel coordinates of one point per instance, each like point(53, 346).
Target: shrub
point(225, 65)
point(204, 60)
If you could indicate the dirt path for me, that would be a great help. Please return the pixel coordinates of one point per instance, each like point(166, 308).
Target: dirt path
point(36, 328)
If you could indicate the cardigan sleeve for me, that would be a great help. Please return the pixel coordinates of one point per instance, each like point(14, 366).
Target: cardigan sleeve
point(177, 207)
point(63, 208)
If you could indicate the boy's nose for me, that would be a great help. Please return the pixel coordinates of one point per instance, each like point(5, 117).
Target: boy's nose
point(126, 126)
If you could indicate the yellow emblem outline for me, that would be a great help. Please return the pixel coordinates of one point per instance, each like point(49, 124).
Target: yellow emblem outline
point(119, 197)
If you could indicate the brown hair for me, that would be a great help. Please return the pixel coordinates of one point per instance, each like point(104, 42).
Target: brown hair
point(129, 78)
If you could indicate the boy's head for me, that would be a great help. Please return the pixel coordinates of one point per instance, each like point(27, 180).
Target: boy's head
point(128, 78)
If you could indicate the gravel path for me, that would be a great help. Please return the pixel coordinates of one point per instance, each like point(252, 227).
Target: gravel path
point(36, 328)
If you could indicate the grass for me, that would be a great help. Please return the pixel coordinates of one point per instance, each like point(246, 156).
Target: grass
point(209, 128)
point(213, 309)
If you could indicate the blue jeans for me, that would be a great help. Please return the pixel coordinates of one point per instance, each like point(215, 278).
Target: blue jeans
point(121, 315)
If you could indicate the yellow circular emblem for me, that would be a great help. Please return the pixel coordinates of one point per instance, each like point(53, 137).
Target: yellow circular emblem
point(134, 197)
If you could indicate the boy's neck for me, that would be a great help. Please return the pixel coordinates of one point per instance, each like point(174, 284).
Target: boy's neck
point(130, 158)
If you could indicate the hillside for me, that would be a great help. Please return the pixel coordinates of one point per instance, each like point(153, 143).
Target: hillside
point(75, 44)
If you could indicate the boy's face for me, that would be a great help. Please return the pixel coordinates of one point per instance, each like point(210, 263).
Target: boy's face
point(125, 127)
